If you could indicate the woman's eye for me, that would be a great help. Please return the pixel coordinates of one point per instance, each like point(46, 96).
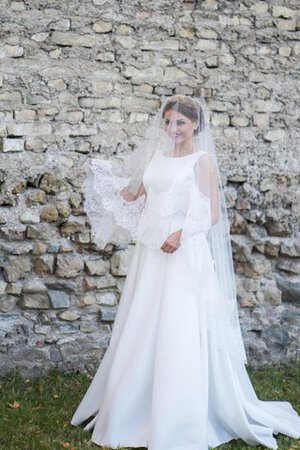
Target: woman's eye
point(180, 122)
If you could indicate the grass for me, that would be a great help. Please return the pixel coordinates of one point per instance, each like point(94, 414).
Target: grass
point(35, 413)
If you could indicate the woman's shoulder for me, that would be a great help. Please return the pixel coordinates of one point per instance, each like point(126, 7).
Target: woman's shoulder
point(205, 161)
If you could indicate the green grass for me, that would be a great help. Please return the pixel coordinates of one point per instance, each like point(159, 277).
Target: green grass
point(35, 414)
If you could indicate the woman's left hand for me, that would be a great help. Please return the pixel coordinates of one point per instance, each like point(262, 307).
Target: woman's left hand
point(127, 195)
point(172, 243)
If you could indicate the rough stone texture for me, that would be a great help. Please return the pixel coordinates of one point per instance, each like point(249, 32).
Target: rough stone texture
point(82, 77)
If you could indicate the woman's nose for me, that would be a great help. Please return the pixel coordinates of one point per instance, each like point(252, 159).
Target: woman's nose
point(172, 128)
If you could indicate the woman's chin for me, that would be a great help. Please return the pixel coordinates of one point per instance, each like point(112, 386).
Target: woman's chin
point(177, 140)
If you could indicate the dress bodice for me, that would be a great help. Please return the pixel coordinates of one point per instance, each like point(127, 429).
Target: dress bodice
point(168, 182)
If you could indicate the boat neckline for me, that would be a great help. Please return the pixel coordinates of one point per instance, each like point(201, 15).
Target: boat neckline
point(184, 156)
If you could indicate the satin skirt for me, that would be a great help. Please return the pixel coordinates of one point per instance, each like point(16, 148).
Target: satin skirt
point(162, 383)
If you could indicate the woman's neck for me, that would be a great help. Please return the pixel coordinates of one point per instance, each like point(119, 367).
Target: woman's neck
point(185, 148)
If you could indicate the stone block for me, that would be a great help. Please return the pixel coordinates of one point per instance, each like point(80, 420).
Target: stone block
point(259, 8)
point(17, 5)
point(96, 266)
point(35, 301)
point(8, 303)
point(30, 217)
point(25, 129)
point(40, 37)
point(290, 248)
point(63, 209)
point(50, 183)
point(107, 298)
point(57, 84)
point(207, 44)
point(282, 11)
point(43, 265)
point(70, 316)
point(138, 117)
point(275, 135)
point(227, 59)
point(165, 44)
point(47, 112)
point(220, 119)
point(285, 51)
point(124, 29)
point(70, 227)
point(13, 97)
point(146, 74)
point(144, 87)
point(291, 266)
point(14, 288)
point(120, 261)
point(108, 313)
point(261, 120)
point(73, 40)
point(59, 299)
point(207, 33)
point(36, 196)
point(290, 289)
point(34, 287)
point(296, 49)
point(286, 25)
point(105, 57)
point(173, 74)
point(126, 41)
point(272, 295)
point(16, 267)
point(139, 104)
point(210, 4)
point(35, 145)
point(271, 248)
point(266, 106)
point(102, 26)
point(69, 266)
point(25, 115)
point(82, 130)
point(13, 51)
point(102, 86)
point(72, 117)
point(11, 145)
point(60, 25)
point(99, 103)
point(87, 300)
point(187, 33)
point(239, 121)
point(49, 214)
point(3, 286)
point(75, 199)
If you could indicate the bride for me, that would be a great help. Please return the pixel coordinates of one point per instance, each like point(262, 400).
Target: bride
point(173, 376)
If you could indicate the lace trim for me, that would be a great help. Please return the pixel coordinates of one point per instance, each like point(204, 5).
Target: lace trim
point(111, 216)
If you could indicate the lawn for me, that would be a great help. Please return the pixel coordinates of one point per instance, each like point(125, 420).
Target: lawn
point(35, 413)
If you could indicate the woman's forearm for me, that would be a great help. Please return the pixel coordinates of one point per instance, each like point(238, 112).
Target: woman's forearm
point(141, 191)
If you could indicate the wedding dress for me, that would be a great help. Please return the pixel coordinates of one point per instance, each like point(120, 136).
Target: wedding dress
point(163, 383)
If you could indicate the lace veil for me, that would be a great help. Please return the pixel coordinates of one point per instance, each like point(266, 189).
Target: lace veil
point(115, 198)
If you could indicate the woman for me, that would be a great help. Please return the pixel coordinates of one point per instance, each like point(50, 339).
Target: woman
point(173, 376)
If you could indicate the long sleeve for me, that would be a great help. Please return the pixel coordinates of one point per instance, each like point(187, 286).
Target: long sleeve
point(203, 206)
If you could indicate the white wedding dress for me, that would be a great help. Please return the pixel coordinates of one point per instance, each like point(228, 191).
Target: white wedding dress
point(162, 382)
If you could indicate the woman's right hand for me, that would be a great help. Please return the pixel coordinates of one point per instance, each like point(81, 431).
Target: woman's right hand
point(127, 195)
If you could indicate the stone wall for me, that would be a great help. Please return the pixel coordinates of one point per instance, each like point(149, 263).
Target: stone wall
point(82, 77)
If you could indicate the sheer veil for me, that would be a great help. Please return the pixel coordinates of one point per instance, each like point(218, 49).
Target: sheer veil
point(116, 199)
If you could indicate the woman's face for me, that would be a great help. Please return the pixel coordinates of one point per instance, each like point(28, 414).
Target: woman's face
point(178, 127)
